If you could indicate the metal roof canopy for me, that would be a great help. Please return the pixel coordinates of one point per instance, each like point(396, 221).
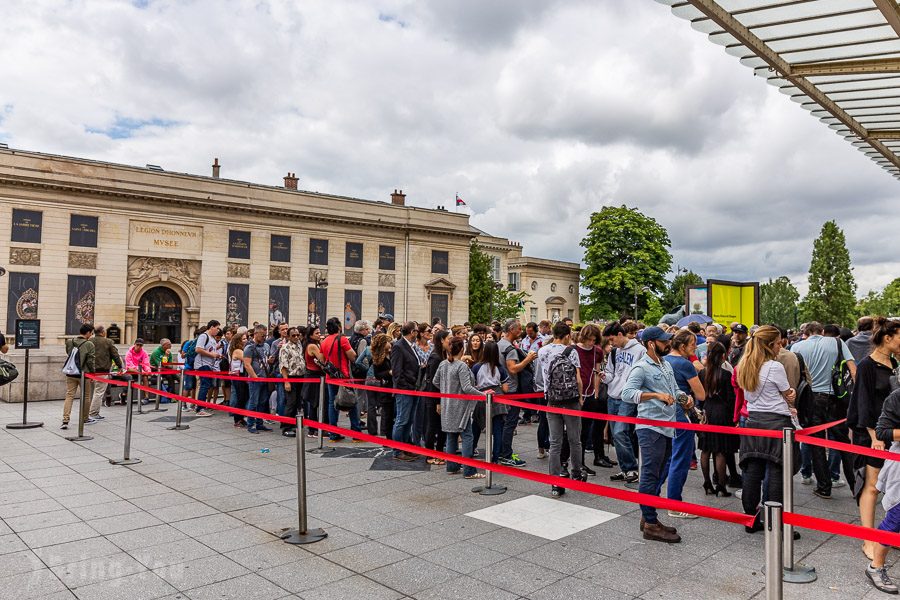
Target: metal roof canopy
point(839, 59)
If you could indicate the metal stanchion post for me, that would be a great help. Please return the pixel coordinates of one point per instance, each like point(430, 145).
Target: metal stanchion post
point(159, 379)
point(793, 573)
point(772, 512)
point(320, 449)
point(489, 489)
point(129, 418)
point(140, 402)
point(302, 535)
point(178, 409)
point(82, 414)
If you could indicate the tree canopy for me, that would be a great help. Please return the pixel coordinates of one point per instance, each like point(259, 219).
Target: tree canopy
point(674, 294)
point(832, 289)
point(624, 251)
point(486, 299)
point(885, 303)
point(778, 302)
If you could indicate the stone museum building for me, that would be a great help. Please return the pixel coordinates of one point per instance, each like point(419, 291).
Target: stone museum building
point(158, 253)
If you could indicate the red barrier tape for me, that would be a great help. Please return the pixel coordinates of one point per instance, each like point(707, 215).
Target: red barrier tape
point(817, 441)
point(222, 407)
point(844, 529)
point(818, 428)
point(104, 377)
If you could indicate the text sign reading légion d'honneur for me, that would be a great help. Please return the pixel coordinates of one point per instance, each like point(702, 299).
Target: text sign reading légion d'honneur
point(153, 237)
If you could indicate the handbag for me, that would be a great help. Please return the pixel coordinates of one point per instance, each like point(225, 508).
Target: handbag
point(8, 372)
point(345, 399)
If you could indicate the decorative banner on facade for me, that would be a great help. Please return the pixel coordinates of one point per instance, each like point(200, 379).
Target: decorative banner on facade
point(318, 252)
point(387, 258)
point(354, 255)
point(238, 244)
point(352, 309)
point(237, 307)
point(731, 301)
point(279, 304)
point(440, 261)
point(440, 306)
point(386, 304)
point(22, 300)
point(317, 307)
point(280, 250)
point(83, 231)
point(79, 302)
point(26, 226)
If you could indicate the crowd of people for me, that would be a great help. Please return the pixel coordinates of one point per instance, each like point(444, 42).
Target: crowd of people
point(760, 377)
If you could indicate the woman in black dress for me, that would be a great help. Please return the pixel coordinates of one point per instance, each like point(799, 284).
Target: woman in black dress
point(719, 409)
point(872, 386)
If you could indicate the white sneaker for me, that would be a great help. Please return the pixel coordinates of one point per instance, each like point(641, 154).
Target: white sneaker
point(675, 514)
point(881, 580)
point(542, 453)
point(806, 480)
point(838, 483)
point(738, 493)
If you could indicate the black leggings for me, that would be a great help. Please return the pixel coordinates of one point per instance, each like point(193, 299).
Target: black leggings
point(435, 437)
point(754, 473)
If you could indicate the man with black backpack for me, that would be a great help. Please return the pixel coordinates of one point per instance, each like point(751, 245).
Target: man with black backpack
point(832, 370)
point(559, 378)
point(80, 351)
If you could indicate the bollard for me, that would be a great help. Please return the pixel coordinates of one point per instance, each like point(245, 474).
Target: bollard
point(140, 400)
point(321, 449)
point(302, 535)
point(489, 489)
point(793, 573)
point(159, 379)
point(82, 414)
point(178, 409)
point(129, 418)
point(772, 512)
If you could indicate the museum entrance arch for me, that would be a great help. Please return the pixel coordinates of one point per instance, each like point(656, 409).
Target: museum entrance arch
point(159, 315)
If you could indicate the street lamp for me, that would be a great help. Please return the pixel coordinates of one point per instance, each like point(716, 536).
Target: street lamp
point(638, 290)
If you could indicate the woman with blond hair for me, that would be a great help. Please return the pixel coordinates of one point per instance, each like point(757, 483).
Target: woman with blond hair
point(770, 405)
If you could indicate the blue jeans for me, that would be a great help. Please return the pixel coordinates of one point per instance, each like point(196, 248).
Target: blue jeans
point(511, 420)
point(622, 433)
point(205, 384)
point(656, 449)
point(405, 407)
point(497, 423)
point(805, 461)
point(280, 402)
point(258, 401)
point(334, 414)
point(453, 444)
point(680, 464)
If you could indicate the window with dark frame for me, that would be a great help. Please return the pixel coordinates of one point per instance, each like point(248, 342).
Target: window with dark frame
point(83, 231)
point(387, 258)
point(238, 244)
point(354, 255)
point(440, 261)
point(280, 248)
point(318, 252)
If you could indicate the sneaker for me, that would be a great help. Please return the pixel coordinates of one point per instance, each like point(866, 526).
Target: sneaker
point(806, 480)
point(65, 425)
point(620, 476)
point(476, 453)
point(631, 476)
point(881, 580)
point(738, 494)
point(676, 514)
point(557, 491)
point(289, 433)
point(822, 493)
point(838, 483)
point(202, 413)
point(542, 453)
point(252, 429)
point(98, 417)
point(514, 461)
point(263, 428)
point(604, 462)
point(90, 421)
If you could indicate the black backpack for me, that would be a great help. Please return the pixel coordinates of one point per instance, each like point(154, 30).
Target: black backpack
point(841, 380)
point(562, 380)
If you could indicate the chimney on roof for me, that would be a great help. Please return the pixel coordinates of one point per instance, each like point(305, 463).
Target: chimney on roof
point(216, 167)
point(290, 181)
point(398, 198)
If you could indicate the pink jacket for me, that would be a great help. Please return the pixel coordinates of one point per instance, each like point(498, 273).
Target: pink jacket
point(137, 360)
point(740, 402)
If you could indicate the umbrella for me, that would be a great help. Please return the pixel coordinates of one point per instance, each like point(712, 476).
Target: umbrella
point(702, 319)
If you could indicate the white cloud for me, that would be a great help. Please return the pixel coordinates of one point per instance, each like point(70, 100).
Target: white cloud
point(536, 113)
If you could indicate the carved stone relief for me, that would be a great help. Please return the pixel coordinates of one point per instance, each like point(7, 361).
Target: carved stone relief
point(323, 275)
point(82, 260)
point(186, 273)
point(241, 270)
point(353, 278)
point(279, 273)
point(25, 256)
point(386, 280)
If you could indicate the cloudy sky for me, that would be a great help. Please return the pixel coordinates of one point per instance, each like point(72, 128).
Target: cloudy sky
point(536, 112)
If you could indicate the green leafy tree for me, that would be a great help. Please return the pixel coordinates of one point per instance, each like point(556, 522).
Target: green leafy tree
point(674, 293)
point(624, 251)
point(507, 304)
point(655, 311)
point(832, 289)
point(778, 302)
point(480, 284)
point(885, 303)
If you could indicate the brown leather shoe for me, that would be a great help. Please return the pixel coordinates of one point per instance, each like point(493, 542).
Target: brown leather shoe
point(655, 533)
point(665, 527)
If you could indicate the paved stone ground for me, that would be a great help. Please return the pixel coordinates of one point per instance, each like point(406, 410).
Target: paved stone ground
point(198, 517)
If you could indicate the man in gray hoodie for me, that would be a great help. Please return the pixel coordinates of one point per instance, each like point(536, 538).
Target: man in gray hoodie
point(626, 352)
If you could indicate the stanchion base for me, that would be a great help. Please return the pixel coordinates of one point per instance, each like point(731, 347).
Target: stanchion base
point(157, 410)
point(79, 438)
point(125, 461)
point(320, 450)
point(800, 574)
point(293, 536)
point(493, 490)
point(24, 425)
point(178, 427)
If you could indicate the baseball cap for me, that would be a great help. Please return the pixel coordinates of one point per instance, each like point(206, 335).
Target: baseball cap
point(655, 333)
point(139, 342)
point(739, 328)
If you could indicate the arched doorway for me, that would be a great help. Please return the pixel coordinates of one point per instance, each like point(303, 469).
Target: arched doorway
point(159, 315)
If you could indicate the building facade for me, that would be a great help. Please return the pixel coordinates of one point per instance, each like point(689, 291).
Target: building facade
point(158, 253)
point(552, 287)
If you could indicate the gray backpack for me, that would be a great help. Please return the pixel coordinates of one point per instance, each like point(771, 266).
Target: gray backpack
point(562, 382)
